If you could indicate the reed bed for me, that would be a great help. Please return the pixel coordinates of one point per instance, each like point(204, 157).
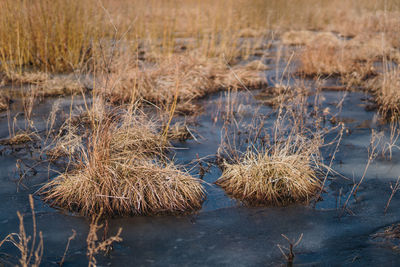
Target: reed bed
point(62, 36)
point(53, 36)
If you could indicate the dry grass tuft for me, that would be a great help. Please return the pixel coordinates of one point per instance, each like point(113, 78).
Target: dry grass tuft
point(120, 173)
point(179, 131)
point(277, 95)
point(17, 139)
point(257, 65)
point(284, 174)
point(385, 88)
point(4, 102)
point(280, 164)
point(46, 84)
point(390, 236)
point(125, 187)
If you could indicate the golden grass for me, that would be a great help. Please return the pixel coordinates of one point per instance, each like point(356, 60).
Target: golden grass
point(51, 35)
point(17, 139)
point(120, 173)
point(62, 36)
point(56, 86)
point(281, 165)
point(187, 76)
point(48, 85)
point(183, 48)
point(4, 102)
point(27, 77)
point(305, 37)
point(282, 175)
point(330, 57)
point(385, 88)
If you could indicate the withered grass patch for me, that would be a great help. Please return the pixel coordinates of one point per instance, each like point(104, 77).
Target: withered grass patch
point(27, 77)
point(46, 84)
point(282, 175)
point(4, 102)
point(186, 77)
point(121, 171)
point(385, 88)
point(18, 139)
point(57, 86)
point(391, 232)
point(281, 164)
point(336, 58)
point(305, 37)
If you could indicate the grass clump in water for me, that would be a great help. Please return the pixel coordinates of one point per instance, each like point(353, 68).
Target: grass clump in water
point(287, 173)
point(4, 102)
point(385, 88)
point(122, 170)
point(280, 165)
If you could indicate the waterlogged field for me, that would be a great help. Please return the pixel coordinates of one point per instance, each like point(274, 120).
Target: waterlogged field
point(177, 133)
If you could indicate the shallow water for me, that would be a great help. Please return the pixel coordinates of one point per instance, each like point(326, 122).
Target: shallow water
point(224, 232)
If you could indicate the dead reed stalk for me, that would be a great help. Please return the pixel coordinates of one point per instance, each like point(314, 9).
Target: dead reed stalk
point(94, 246)
point(31, 252)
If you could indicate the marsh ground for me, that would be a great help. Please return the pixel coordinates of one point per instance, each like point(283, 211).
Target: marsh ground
point(212, 89)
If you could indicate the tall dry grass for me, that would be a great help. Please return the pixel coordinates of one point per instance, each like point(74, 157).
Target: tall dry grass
point(53, 36)
point(65, 35)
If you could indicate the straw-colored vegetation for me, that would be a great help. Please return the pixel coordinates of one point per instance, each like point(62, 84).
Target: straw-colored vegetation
point(123, 171)
point(169, 53)
point(282, 165)
point(186, 77)
point(4, 102)
point(285, 173)
point(184, 48)
point(352, 53)
point(386, 88)
point(333, 57)
point(390, 236)
point(96, 245)
point(17, 139)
